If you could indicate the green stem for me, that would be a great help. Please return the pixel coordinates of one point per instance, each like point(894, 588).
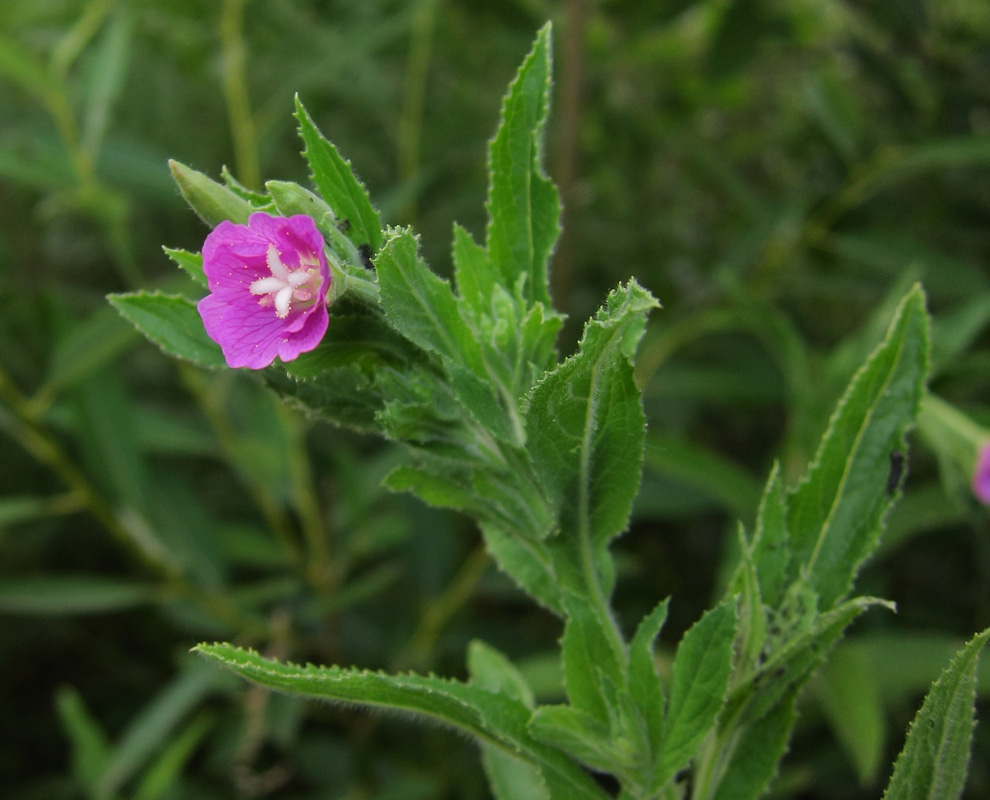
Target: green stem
point(441, 610)
point(411, 119)
point(235, 90)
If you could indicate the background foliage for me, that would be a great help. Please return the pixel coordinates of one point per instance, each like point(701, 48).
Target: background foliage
point(777, 173)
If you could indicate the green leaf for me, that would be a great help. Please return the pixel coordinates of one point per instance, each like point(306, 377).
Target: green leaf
point(771, 541)
point(586, 426)
point(847, 689)
point(493, 719)
point(836, 513)
point(173, 323)
point(190, 263)
point(757, 753)
point(21, 67)
point(421, 305)
point(71, 595)
point(933, 763)
point(474, 272)
point(589, 657)
point(339, 186)
point(528, 563)
point(512, 778)
point(523, 208)
point(493, 671)
point(578, 734)
point(702, 665)
point(106, 78)
point(212, 201)
point(793, 660)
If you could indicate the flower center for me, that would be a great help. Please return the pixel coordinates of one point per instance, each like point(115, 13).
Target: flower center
point(286, 287)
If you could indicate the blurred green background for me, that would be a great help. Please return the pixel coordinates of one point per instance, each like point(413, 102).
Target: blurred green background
point(777, 172)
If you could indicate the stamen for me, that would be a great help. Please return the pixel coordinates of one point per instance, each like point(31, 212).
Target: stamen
point(284, 286)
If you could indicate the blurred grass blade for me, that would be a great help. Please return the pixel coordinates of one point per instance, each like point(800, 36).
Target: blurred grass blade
point(933, 763)
point(70, 595)
point(152, 730)
point(847, 689)
point(21, 67)
point(162, 775)
point(87, 347)
point(89, 743)
point(106, 79)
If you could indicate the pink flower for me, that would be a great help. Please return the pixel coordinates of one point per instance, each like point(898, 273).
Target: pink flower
point(981, 475)
point(268, 284)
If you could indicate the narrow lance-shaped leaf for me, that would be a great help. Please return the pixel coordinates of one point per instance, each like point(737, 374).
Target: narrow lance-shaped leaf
point(171, 322)
point(586, 425)
point(836, 513)
point(494, 719)
point(523, 208)
point(339, 186)
point(933, 763)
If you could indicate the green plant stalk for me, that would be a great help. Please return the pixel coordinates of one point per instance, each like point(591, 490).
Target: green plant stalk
point(441, 610)
point(316, 534)
point(235, 91)
point(212, 406)
point(411, 118)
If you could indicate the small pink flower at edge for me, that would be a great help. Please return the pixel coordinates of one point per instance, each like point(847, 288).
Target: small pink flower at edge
point(268, 284)
point(981, 475)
